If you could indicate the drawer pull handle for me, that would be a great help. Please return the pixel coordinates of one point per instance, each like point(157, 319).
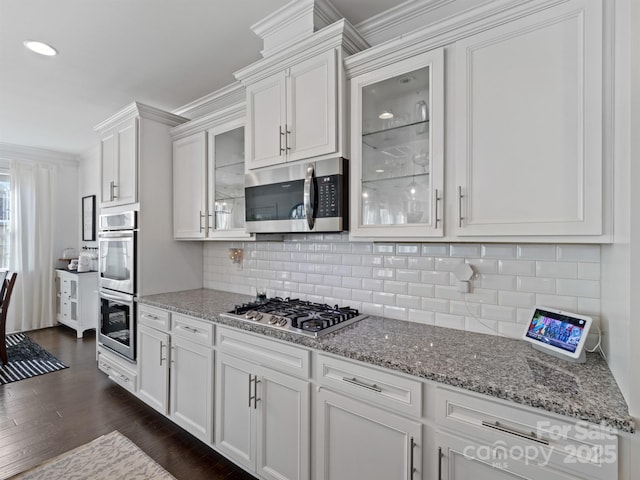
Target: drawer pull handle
point(529, 436)
point(190, 329)
point(357, 382)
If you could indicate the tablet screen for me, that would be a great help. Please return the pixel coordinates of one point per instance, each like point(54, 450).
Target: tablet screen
point(557, 330)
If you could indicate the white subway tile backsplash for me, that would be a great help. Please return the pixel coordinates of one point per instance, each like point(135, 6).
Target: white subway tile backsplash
point(421, 316)
point(557, 269)
point(421, 263)
point(372, 284)
point(517, 267)
point(497, 282)
point(404, 275)
point(437, 278)
point(561, 302)
point(435, 249)
point(351, 282)
point(516, 299)
point(483, 265)
point(399, 313)
point(445, 264)
point(435, 305)
point(408, 249)
point(421, 289)
point(373, 260)
point(449, 321)
point(395, 262)
point(408, 301)
point(498, 251)
point(579, 253)
point(395, 287)
point(536, 252)
point(384, 248)
point(464, 308)
point(536, 284)
point(464, 250)
point(499, 313)
point(589, 271)
point(414, 281)
point(362, 295)
point(579, 288)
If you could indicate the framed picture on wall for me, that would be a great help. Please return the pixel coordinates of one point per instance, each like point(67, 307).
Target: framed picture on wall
point(89, 218)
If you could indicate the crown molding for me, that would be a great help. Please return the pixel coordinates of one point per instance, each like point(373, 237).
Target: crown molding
point(391, 23)
point(339, 34)
point(444, 30)
point(214, 119)
point(22, 153)
point(222, 98)
point(137, 109)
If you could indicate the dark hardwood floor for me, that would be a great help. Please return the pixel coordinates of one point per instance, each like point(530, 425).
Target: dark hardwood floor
point(45, 416)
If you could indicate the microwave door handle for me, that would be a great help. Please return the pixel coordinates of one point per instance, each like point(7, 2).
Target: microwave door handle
point(307, 197)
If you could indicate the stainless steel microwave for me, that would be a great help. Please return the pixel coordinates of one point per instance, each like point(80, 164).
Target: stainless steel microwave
point(305, 197)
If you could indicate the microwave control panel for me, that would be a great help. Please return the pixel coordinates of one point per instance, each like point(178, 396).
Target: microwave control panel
point(329, 196)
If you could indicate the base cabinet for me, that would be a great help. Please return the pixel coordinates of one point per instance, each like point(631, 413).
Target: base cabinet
point(77, 300)
point(355, 440)
point(462, 459)
point(153, 350)
point(262, 419)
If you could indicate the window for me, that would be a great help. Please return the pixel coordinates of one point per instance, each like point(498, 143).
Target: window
point(5, 209)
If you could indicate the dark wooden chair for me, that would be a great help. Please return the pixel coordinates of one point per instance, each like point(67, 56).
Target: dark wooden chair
point(5, 296)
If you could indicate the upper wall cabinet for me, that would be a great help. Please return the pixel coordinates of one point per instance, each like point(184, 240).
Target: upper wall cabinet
point(121, 146)
point(208, 177)
point(528, 125)
point(292, 114)
point(397, 169)
point(296, 99)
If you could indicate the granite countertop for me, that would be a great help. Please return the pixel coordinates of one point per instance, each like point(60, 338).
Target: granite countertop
point(500, 367)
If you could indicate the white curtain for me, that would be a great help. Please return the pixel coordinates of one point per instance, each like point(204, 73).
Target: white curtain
point(32, 250)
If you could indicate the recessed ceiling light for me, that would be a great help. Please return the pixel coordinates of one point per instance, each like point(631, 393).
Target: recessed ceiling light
point(41, 48)
point(387, 114)
point(379, 170)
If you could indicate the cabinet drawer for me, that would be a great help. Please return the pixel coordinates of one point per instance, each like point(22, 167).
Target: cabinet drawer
point(124, 376)
point(577, 447)
point(199, 331)
point(263, 351)
point(154, 317)
point(371, 385)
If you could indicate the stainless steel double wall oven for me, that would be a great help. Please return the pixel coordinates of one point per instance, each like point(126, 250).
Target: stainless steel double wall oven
point(117, 270)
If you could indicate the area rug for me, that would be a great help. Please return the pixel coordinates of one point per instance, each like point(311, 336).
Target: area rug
point(109, 457)
point(27, 359)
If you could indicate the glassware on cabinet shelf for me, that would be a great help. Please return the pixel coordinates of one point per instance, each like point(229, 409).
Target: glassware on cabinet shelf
point(229, 179)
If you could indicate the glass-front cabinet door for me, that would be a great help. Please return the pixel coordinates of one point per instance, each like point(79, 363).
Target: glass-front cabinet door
point(226, 182)
point(397, 149)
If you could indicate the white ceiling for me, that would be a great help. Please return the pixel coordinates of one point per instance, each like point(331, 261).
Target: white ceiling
point(165, 53)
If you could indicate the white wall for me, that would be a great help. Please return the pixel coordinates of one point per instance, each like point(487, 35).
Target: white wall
point(67, 201)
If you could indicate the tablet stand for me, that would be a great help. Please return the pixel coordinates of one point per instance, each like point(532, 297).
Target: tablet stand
point(581, 359)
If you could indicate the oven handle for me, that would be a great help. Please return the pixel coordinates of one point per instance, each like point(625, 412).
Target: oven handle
point(116, 297)
point(307, 197)
point(120, 234)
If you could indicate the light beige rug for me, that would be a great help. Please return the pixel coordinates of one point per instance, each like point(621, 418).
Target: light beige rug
point(109, 457)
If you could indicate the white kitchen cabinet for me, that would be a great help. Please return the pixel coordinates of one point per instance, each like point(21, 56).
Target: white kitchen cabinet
point(153, 367)
point(175, 369)
point(118, 164)
point(397, 137)
point(77, 300)
point(528, 125)
point(208, 178)
point(263, 419)
point(292, 114)
point(462, 459)
point(191, 381)
point(356, 440)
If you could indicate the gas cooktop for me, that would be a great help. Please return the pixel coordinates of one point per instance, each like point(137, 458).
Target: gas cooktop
point(296, 316)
